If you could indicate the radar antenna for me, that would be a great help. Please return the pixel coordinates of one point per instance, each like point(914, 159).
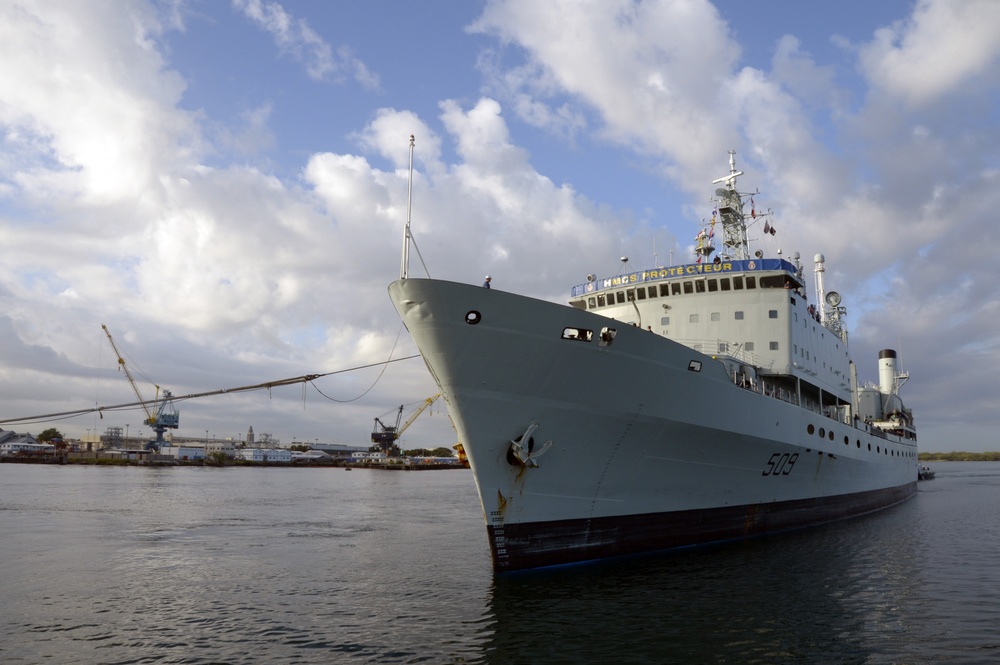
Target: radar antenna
point(734, 224)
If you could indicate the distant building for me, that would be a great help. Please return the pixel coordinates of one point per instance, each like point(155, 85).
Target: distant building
point(250, 437)
point(338, 449)
point(184, 453)
point(362, 456)
point(310, 456)
point(264, 454)
point(12, 443)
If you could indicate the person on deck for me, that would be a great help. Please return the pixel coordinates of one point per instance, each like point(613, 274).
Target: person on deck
point(486, 284)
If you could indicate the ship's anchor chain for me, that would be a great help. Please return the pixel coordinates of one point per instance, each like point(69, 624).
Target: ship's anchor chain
point(522, 449)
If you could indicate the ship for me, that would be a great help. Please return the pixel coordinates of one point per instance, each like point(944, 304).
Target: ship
point(663, 408)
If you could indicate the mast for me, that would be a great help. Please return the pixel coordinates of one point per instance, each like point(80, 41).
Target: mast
point(404, 264)
point(734, 225)
point(404, 267)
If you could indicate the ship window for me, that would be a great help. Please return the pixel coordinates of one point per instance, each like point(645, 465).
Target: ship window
point(693, 318)
point(694, 366)
point(713, 285)
point(737, 282)
point(640, 294)
point(738, 315)
point(591, 302)
point(723, 347)
point(774, 346)
point(810, 429)
point(715, 316)
point(751, 282)
point(796, 315)
point(652, 291)
point(724, 283)
point(772, 313)
point(665, 321)
point(688, 287)
point(831, 435)
point(620, 296)
point(600, 301)
point(607, 336)
point(699, 286)
point(822, 432)
point(630, 294)
point(664, 290)
point(748, 346)
point(581, 334)
point(675, 288)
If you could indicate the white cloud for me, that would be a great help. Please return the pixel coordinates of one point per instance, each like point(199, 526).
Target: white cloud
point(943, 47)
point(297, 37)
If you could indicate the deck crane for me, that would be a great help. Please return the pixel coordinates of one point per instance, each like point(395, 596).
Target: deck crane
point(384, 436)
point(164, 416)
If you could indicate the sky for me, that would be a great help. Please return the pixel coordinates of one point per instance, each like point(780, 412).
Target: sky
point(225, 186)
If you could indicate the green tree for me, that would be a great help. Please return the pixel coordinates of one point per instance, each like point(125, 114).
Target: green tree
point(441, 452)
point(49, 434)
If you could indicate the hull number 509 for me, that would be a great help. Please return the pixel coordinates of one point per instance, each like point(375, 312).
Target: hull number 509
point(780, 464)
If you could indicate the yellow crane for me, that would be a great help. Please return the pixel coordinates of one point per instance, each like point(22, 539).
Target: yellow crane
point(385, 436)
point(165, 416)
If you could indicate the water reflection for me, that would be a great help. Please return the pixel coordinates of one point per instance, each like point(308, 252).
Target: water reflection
point(818, 596)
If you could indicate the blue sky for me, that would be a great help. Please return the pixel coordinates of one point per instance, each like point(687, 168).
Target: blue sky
point(224, 184)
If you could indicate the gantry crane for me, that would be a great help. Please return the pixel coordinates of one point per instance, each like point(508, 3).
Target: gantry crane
point(161, 418)
point(384, 436)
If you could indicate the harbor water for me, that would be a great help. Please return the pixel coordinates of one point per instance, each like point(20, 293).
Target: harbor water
point(252, 565)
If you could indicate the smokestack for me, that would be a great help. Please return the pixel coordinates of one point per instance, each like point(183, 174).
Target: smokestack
point(888, 369)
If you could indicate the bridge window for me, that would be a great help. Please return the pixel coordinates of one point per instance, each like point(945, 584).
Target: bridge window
point(737, 282)
point(640, 294)
point(675, 288)
point(652, 291)
point(713, 285)
point(620, 297)
point(688, 287)
point(724, 283)
point(699, 286)
point(591, 302)
point(600, 301)
point(664, 290)
point(751, 282)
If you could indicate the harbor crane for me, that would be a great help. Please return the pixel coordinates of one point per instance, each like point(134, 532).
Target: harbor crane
point(163, 415)
point(384, 436)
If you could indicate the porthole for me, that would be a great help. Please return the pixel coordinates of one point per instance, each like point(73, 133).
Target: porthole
point(822, 433)
point(859, 443)
point(831, 435)
point(847, 441)
point(473, 317)
point(811, 429)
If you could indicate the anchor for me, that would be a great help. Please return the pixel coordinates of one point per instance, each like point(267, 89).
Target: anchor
point(522, 449)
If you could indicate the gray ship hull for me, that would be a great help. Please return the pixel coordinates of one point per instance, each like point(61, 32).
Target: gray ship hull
point(583, 449)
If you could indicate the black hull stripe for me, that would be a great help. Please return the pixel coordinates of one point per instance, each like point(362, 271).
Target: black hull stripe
point(538, 544)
